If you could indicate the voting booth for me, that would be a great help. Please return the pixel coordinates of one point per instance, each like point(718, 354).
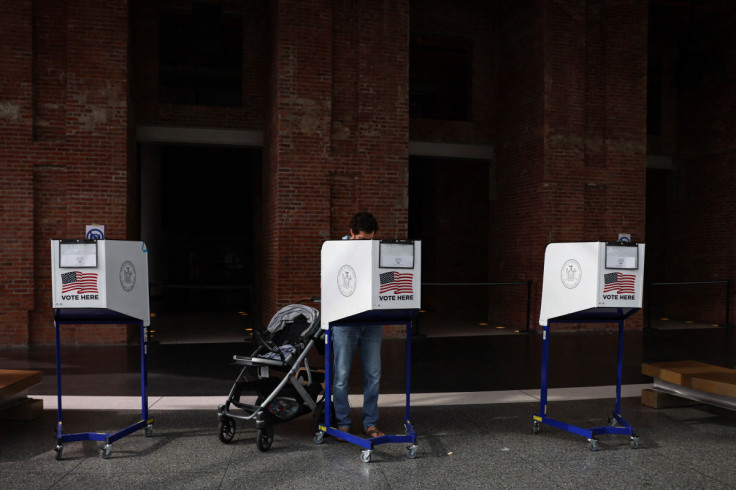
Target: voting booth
point(590, 282)
point(369, 282)
point(100, 279)
point(594, 280)
point(100, 282)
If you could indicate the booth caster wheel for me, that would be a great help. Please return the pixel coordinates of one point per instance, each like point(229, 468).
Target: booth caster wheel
point(411, 451)
point(59, 448)
point(226, 430)
point(593, 444)
point(106, 450)
point(264, 438)
point(319, 437)
point(149, 430)
point(535, 427)
point(635, 442)
point(365, 455)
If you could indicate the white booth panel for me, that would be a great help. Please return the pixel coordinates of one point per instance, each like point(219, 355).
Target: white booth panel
point(97, 275)
point(359, 276)
point(592, 280)
point(78, 280)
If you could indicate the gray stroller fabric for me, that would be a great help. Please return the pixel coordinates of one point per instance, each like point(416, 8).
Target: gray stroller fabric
point(289, 313)
point(281, 318)
point(286, 351)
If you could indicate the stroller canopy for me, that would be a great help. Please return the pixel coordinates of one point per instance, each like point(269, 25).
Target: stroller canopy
point(289, 314)
point(292, 325)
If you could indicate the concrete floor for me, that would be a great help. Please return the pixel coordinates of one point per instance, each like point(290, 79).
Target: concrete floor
point(472, 403)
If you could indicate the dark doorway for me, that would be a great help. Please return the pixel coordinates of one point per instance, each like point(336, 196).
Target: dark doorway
point(448, 211)
point(204, 227)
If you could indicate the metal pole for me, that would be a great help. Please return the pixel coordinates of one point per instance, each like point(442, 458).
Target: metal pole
point(528, 303)
point(144, 372)
point(648, 309)
point(328, 379)
point(728, 302)
point(408, 369)
point(58, 381)
point(545, 361)
point(619, 372)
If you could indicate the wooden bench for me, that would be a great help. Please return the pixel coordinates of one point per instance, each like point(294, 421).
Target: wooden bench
point(678, 383)
point(14, 402)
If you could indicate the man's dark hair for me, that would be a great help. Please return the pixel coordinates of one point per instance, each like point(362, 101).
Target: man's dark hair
point(363, 221)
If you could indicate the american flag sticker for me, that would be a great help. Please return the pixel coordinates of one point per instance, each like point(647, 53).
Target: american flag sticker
point(616, 282)
point(79, 282)
point(396, 283)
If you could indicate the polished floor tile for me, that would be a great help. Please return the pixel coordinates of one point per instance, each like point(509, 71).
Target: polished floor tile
point(472, 405)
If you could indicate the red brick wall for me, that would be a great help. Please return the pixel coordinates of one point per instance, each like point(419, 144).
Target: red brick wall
point(700, 241)
point(16, 198)
point(64, 127)
point(517, 210)
point(144, 27)
point(476, 20)
point(297, 143)
point(311, 135)
point(572, 156)
point(559, 89)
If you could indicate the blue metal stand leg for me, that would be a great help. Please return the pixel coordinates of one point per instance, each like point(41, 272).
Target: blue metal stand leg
point(58, 381)
point(616, 425)
point(59, 429)
point(619, 372)
point(539, 417)
point(367, 444)
point(412, 450)
point(108, 438)
point(328, 379)
point(327, 428)
point(144, 381)
point(408, 370)
point(545, 364)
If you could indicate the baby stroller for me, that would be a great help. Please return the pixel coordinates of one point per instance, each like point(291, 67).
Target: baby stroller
point(283, 347)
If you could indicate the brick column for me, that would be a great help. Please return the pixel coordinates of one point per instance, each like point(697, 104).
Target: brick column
point(336, 137)
point(16, 198)
point(572, 134)
point(63, 120)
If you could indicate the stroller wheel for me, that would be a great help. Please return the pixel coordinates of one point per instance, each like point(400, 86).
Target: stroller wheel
point(264, 438)
point(226, 430)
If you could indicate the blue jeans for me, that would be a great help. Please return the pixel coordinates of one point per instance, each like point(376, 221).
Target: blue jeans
point(344, 342)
